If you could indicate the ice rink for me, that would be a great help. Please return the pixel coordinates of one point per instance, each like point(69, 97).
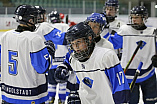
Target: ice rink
point(76, 18)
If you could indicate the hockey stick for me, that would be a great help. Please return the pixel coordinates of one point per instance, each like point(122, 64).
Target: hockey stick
point(140, 44)
point(136, 75)
point(67, 18)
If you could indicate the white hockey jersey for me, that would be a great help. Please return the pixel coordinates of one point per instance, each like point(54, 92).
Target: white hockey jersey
point(49, 32)
point(104, 43)
point(101, 78)
point(24, 59)
point(115, 25)
point(130, 39)
point(61, 50)
point(61, 26)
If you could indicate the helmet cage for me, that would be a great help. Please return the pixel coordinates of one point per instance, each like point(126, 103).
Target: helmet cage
point(83, 54)
point(78, 31)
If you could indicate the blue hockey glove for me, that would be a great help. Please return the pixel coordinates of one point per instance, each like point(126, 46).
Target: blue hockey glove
point(73, 98)
point(50, 47)
point(154, 60)
point(61, 74)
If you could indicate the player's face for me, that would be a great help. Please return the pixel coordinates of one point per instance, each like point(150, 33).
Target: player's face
point(136, 19)
point(79, 45)
point(110, 11)
point(95, 27)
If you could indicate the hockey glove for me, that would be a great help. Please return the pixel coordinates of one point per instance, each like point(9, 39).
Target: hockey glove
point(61, 74)
point(74, 98)
point(154, 60)
point(50, 47)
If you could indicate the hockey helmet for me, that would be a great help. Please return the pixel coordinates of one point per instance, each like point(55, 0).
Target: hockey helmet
point(97, 18)
point(61, 15)
point(110, 4)
point(140, 11)
point(24, 13)
point(41, 12)
point(54, 17)
point(81, 30)
point(113, 3)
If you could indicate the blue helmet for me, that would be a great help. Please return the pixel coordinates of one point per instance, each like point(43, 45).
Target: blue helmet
point(97, 18)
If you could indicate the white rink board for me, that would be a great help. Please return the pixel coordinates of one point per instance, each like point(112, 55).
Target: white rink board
point(7, 21)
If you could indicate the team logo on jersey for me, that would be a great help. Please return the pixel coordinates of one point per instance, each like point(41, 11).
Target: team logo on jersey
point(143, 44)
point(83, 67)
point(88, 81)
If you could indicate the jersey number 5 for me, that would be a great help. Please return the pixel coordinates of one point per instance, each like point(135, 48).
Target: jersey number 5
point(12, 64)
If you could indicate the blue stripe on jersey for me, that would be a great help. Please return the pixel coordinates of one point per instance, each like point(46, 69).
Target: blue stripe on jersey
point(53, 67)
point(117, 78)
point(18, 91)
point(144, 78)
point(119, 83)
point(107, 35)
point(56, 36)
point(40, 61)
point(18, 101)
point(116, 40)
point(0, 55)
point(156, 46)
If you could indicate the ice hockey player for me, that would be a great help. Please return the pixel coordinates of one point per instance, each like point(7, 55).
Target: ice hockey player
point(98, 22)
point(60, 53)
point(24, 60)
point(111, 8)
point(102, 80)
point(47, 31)
point(129, 37)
